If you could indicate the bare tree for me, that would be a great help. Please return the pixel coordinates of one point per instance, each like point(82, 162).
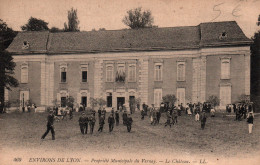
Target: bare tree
point(136, 18)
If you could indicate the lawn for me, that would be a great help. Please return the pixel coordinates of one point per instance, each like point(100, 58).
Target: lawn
point(223, 140)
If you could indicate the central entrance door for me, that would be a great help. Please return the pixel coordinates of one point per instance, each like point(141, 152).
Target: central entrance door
point(120, 101)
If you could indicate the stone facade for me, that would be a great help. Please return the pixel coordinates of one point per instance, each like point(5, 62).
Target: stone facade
point(201, 68)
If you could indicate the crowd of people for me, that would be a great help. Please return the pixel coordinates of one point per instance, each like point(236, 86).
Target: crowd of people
point(87, 118)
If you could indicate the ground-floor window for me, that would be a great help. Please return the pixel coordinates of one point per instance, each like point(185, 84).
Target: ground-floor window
point(225, 95)
point(181, 96)
point(63, 101)
point(109, 99)
point(157, 97)
point(84, 101)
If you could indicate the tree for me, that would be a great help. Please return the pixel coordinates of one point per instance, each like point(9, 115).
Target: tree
point(101, 102)
point(136, 18)
point(213, 100)
point(70, 101)
point(73, 21)
point(169, 99)
point(93, 102)
point(35, 24)
point(255, 68)
point(56, 30)
point(6, 61)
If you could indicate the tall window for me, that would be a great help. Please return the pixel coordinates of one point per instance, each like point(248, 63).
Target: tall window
point(24, 73)
point(63, 75)
point(120, 73)
point(225, 68)
point(157, 97)
point(181, 96)
point(132, 73)
point(158, 72)
point(109, 73)
point(225, 95)
point(180, 71)
point(84, 74)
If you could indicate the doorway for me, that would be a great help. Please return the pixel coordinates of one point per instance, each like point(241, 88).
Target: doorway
point(84, 101)
point(120, 101)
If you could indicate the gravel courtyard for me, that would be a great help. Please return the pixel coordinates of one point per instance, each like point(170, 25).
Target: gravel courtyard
point(222, 139)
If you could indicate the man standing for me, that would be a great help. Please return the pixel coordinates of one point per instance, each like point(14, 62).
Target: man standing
point(104, 113)
point(91, 121)
point(203, 120)
point(158, 115)
point(174, 117)
point(250, 120)
point(197, 114)
point(50, 126)
point(82, 120)
point(111, 122)
point(129, 122)
point(124, 116)
point(101, 123)
point(112, 112)
point(142, 114)
point(168, 122)
point(117, 117)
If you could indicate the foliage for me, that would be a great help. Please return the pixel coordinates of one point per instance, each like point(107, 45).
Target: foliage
point(6, 35)
point(70, 101)
point(169, 99)
point(93, 102)
point(56, 30)
point(101, 102)
point(213, 100)
point(120, 77)
point(136, 18)
point(73, 21)
point(35, 24)
point(134, 101)
point(243, 98)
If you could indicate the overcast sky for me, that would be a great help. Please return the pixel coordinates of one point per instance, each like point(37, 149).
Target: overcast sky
point(108, 14)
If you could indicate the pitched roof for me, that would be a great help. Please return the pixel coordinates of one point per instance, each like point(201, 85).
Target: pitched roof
point(172, 38)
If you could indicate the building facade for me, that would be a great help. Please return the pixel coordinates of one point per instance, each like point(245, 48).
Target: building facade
point(192, 62)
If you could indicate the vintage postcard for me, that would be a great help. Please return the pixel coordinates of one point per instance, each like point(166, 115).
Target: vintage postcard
point(140, 82)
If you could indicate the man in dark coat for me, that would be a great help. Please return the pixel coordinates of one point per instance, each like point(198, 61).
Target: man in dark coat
point(91, 121)
point(104, 113)
point(82, 124)
point(203, 120)
point(113, 112)
point(142, 114)
point(129, 122)
point(111, 122)
point(117, 117)
point(101, 123)
point(169, 117)
point(99, 112)
point(158, 116)
point(50, 126)
point(124, 116)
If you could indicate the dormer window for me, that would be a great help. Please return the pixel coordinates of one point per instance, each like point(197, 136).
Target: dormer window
point(26, 45)
point(223, 35)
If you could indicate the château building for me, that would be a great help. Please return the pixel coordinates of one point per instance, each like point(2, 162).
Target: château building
point(191, 62)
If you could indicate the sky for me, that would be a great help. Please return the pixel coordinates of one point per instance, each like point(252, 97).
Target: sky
point(108, 14)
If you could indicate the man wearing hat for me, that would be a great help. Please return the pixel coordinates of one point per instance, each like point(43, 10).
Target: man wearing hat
point(91, 121)
point(250, 120)
point(129, 122)
point(50, 126)
point(203, 119)
point(168, 122)
point(111, 122)
point(124, 116)
point(101, 123)
point(82, 122)
point(117, 117)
